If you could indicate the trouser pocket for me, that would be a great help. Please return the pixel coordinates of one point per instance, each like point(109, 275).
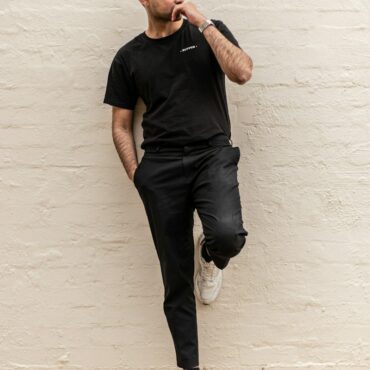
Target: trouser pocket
point(232, 152)
point(137, 172)
point(237, 154)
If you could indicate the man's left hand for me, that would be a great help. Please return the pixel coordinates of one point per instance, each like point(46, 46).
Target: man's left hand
point(190, 11)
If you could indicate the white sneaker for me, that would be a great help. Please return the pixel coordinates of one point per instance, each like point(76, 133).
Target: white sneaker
point(208, 277)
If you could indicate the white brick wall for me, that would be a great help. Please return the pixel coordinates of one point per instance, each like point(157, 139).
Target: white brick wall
point(80, 283)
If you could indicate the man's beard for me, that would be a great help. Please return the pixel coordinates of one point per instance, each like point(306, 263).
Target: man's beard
point(166, 16)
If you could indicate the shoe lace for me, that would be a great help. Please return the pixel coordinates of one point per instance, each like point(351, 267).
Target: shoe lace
point(209, 271)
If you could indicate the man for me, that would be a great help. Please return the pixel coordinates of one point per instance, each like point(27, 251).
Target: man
point(178, 67)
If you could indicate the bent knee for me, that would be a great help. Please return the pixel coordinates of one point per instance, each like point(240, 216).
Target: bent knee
point(228, 241)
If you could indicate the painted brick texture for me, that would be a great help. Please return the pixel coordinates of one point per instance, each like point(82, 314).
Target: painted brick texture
point(80, 283)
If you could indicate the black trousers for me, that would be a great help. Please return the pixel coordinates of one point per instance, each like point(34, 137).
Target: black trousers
point(172, 183)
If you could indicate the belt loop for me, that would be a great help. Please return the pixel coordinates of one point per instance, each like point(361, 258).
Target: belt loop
point(231, 142)
point(157, 148)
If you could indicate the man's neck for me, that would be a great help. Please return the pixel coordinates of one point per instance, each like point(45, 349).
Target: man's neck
point(159, 29)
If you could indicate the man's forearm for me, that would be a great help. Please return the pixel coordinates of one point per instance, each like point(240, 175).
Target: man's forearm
point(235, 63)
point(125, 145)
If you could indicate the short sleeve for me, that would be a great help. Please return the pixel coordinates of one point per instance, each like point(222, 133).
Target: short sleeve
point(121, 90)
point(226, 32)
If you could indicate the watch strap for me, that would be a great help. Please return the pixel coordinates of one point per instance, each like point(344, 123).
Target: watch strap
point(205, 24)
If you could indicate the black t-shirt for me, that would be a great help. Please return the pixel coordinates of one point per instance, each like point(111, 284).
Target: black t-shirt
point(180, 81)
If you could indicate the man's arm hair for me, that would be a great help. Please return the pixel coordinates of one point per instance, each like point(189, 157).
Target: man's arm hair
point(235, 62)
point(123, 138)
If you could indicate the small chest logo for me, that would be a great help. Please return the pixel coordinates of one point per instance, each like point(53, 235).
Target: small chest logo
point(188, 48)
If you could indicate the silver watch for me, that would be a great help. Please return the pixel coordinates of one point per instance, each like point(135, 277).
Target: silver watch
point(205, 24)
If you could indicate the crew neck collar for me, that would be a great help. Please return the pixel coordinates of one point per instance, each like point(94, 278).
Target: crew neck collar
point(168, 37)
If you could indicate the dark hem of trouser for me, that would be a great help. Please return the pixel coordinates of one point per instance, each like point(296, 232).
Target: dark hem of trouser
point(187, 365)
point(221, 263)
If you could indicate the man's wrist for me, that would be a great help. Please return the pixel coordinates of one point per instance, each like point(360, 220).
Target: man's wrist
point(205, 24)
point(201, 21)
point(132, 174)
